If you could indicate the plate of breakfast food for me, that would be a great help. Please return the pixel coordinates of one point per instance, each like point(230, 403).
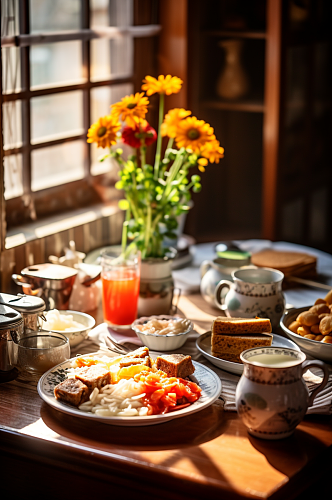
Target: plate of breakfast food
point(137, 389)
point(229, 337)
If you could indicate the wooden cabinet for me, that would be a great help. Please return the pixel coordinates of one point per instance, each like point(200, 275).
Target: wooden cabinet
point(275, 124)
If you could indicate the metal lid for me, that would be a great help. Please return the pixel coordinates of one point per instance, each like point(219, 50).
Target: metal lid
point(9, 317)
point(23, 303)
point(49, 271)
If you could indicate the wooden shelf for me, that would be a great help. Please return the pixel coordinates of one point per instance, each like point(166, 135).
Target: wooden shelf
point(258, 35)
point(249, 106)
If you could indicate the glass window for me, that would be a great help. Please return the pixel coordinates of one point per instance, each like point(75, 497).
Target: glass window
point(13, 176)
point(12, 124)
point(55, 64)
point(55, 116)
point(57, 165)
point(50, 15)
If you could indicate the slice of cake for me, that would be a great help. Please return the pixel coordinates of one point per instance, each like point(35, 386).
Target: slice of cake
point(175, 365)
point(241, 325)
point(231, 336)
point(229, 347)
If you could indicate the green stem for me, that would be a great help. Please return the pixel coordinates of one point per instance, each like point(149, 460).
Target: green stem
point(143, 156)
point(159, 139)
point(125, 231)
point(147, 231)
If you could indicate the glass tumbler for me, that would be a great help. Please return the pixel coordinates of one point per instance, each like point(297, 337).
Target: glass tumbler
point(120, 277)
point(37, 352)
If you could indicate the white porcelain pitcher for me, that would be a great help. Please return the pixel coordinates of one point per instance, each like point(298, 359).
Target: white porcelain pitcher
point(271, 396)
point(255, 291)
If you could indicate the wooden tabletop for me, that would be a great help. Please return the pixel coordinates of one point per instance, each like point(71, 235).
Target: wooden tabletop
point(208, 454)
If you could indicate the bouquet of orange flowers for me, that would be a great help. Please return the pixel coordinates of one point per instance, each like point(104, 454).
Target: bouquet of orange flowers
point(155, 195)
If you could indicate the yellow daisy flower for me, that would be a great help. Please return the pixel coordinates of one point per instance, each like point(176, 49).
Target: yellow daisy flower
point(131, 109)
point(163, 85)
point(193, 134)
point(171, 121)
point(212, 151)
point(103, 132)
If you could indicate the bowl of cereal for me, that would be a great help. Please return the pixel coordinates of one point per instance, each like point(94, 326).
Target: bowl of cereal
point(310, 329)
point(75, 325)
point(162, 333)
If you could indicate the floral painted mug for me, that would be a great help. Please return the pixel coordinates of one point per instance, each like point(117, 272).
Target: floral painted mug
point(255, 291)
point(271, 396)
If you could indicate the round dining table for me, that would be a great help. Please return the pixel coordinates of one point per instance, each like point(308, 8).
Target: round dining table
point(50, 454)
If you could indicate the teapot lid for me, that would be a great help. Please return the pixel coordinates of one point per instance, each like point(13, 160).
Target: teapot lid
point(9, 317)
point(23, 303)
point(49, 271)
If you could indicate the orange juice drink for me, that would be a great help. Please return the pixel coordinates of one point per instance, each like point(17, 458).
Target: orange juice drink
point(120, 289)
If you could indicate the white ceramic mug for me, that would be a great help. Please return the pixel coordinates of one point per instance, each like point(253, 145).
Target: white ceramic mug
point(271, 396)
point(255, 291)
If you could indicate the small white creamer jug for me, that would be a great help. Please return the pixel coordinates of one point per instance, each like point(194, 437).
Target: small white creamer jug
point(271, 396)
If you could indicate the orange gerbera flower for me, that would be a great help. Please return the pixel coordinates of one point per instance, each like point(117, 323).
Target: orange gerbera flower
point(212, 151)
point(172, 120)
point(104, 131)
point(163, 85)
point(193, 134)
point(131, 109)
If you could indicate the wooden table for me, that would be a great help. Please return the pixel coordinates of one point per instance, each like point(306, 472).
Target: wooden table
point(209, 454)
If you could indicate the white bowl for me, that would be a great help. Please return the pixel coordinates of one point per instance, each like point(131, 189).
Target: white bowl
point(75, 337)
point(316, 349)
point(155, 342)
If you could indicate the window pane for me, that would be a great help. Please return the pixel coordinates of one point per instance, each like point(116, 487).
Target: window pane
point(12, 124)
point(13, 176)
point(101, 99)
point(56, 63)
point(11, 71)
point(111, 57)
point(55, 116)
point(50, 15)
point(57, 165)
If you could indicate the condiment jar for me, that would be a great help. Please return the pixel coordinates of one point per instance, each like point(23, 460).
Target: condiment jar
point(11, 323)
point(30, 307)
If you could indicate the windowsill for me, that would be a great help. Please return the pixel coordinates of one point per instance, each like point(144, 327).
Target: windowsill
point(57, 223)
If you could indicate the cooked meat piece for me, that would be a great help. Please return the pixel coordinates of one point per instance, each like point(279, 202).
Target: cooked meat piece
point(93, 376)
point(141, 352)
point(129, 361)
point(72, 391)
point(175, 365)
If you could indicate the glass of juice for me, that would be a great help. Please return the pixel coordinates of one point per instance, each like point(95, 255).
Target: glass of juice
point(120, 277)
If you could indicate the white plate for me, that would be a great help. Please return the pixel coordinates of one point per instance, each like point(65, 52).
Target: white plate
point(203, 344)
point(208, 381)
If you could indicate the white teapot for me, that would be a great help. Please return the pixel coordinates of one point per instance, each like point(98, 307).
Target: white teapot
point(220, 268)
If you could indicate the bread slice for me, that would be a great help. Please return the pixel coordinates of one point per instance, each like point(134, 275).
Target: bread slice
point(229, 347)
point(240, 325)
point(290, 263)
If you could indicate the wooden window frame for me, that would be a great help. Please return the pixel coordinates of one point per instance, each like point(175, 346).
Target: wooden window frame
point(82, 192)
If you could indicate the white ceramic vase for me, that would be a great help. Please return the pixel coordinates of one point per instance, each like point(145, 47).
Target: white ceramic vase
point(156, 287)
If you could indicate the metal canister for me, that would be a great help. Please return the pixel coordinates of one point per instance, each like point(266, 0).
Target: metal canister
point(51, 282)
point(11, 326)
point(31, 308)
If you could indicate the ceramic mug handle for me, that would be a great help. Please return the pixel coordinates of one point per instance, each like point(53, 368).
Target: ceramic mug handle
point(318, 364)
point(205, 266)
point(218, 297)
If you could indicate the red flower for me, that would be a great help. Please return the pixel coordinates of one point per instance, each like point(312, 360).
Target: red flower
point(139, 136)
